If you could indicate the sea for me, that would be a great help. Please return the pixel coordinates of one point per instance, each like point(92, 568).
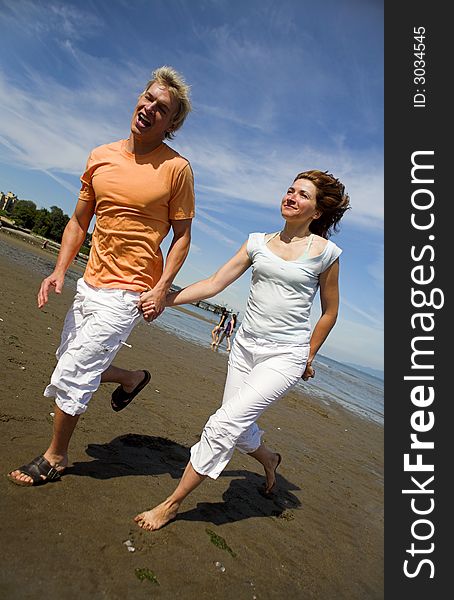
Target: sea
point(354, 389)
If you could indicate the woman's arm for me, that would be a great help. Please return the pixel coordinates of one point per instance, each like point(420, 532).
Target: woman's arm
point(206, 288)
point(329, 297)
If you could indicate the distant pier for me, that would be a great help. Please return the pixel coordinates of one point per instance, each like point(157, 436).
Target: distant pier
point(214, 308)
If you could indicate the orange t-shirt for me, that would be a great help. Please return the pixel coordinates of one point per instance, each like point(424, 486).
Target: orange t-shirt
point(136, 198)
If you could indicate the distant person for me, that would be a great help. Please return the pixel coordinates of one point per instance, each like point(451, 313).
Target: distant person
point(139, 189)
point(274, 346)
point(227, 332)
point(219, 327)
point(44, 244)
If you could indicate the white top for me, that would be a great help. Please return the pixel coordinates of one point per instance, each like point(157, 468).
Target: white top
point(282, 291)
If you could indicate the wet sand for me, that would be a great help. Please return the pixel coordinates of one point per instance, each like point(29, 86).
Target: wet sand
point(320, 537)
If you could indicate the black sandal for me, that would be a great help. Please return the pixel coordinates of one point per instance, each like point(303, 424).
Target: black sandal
point(120, 399)
point(35, 469)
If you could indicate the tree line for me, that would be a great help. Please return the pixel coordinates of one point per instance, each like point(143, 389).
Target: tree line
point(46, 223)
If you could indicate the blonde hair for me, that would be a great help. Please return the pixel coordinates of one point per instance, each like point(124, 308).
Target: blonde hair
point(179, 90)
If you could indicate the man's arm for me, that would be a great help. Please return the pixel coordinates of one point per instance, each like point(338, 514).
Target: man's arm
point(73, 238)
point(175, 258)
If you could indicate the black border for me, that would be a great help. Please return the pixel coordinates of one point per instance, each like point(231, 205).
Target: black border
point(409, 129)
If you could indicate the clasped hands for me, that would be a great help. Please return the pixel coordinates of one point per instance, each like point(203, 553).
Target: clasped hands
point(152, 303)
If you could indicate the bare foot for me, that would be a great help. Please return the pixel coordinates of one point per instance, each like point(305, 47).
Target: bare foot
point(270, 473)
point(58, 462)
point(158, 516)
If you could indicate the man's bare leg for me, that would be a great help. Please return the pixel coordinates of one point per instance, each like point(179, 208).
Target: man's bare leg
point(64, 424)
point(270, 462)
point(127, 379)
point(219, 340)
point(57, 453)
point(166, 511)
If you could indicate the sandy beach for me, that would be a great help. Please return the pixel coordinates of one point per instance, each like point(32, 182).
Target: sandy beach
point(319, 537)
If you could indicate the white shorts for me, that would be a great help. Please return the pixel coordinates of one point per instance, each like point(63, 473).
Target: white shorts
point(259, 373)
point(97, 323)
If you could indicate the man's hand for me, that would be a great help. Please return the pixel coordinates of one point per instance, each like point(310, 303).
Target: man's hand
point(152, 303)
point(309, 372)
point(55, 281)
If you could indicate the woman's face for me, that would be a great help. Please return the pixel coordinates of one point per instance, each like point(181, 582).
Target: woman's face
point(299, 203)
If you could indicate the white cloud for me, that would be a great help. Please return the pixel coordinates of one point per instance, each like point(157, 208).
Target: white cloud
point(61, 128)
point(71, 188)
point(46, 125)
point(50, 18)
point(214, 232)
point(48, 128)
point(347, 343)
point(376, 270)
point(257, 176)
point(378, 322)
point(227, 114)
point(219, 223)
point(269, 102)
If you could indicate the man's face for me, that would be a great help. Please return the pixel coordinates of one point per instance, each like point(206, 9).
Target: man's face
point(154, 113)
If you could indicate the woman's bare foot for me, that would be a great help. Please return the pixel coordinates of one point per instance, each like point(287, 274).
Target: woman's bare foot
point(270, 473)
point(158, 516)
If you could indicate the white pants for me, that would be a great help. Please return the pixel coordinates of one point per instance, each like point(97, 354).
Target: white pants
point(259, 373)
point(97, 323)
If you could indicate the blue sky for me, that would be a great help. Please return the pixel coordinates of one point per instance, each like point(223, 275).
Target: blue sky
point(278, 87)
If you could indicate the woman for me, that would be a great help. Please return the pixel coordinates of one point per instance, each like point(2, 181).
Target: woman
point(274, 346)
point(215, 332)
point(227, 333)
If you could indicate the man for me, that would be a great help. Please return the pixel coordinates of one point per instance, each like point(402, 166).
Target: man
point(138, 189)
point(216, 331)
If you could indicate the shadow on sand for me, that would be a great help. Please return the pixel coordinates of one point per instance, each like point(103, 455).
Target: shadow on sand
point(133, 454)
